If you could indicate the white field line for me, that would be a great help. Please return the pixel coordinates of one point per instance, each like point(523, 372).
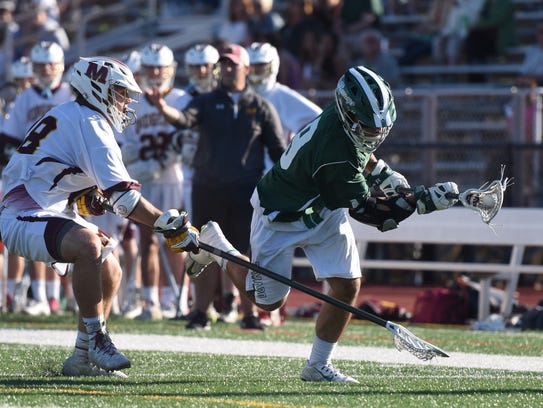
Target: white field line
point(152, 342)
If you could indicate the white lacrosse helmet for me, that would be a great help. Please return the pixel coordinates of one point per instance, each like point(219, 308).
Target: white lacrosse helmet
point(43, 55)
point(365, 106)
point(201, 67)
point(264, 66)
point(22, 68)
point(109, 86)
point(157, 67)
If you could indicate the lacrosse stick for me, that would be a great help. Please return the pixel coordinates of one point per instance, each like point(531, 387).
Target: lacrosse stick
point(486, 200)
point(403, 338)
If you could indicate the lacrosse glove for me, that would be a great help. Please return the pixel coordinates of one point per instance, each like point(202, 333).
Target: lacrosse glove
point(179, 234)
point(385, 179)
point(383, 213)
point(90, 203)
point(437, 197)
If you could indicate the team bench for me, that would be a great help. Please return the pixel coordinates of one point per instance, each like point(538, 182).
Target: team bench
point(515, 228)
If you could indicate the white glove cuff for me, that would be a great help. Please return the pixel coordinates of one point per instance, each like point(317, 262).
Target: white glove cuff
point(162, 221)
point(379, 167)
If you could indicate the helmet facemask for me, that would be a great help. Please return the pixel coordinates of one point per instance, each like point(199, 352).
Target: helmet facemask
point(163, 81)
point(366, 108)
point(204, 77)
point(109, 86)
point(264, 66)
point(47, 64)
point(122, 106)
point(201, 67)
point(158, 67)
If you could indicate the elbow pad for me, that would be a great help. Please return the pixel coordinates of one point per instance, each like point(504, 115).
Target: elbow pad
point(124, 202)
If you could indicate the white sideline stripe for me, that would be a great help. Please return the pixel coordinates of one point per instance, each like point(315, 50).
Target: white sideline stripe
point(152, 342)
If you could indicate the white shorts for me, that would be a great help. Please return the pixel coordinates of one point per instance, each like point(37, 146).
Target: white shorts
point(112, 224)
point(32, 234)
point(330, 247)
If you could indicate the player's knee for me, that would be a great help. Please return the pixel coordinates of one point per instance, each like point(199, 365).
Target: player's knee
point(272, 307)
point(344, 289)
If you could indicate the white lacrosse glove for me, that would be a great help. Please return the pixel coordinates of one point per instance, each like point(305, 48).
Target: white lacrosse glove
point(385, 179)
point(435, 197)
point(179, 234)
point(144, 170)
point(130, 153)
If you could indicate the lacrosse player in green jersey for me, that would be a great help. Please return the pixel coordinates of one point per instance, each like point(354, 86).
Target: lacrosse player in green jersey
point(326, 174)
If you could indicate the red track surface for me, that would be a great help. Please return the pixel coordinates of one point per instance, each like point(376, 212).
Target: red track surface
point(404, 296)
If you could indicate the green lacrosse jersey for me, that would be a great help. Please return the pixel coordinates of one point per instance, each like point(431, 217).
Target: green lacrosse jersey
point(320, 168)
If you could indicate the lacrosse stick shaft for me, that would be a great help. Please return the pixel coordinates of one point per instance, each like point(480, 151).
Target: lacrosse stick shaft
point(393, 327)
point(296, 285)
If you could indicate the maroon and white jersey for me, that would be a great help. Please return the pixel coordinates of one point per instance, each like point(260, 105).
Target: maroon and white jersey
point(152, 136)
point(30, 105)
point(69, 149)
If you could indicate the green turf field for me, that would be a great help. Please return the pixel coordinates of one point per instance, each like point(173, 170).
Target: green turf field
point(30, 375)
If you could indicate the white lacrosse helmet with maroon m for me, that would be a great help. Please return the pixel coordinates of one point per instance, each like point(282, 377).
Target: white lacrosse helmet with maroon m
point(109, 86)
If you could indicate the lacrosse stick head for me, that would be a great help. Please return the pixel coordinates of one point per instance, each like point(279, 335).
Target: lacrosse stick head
point(405, 340)
point(488, 199)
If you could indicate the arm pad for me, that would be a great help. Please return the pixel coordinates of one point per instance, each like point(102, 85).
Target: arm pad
point(124, 202)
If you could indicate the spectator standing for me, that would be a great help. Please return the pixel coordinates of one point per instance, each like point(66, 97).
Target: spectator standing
point(8, 28)
point(494, 31)
point(48, 91)
point(39, 25)
point(236, 125)
point(532, 65)
point(265, 23)
point(235, 29)
point(160, 174)
point(374, 55)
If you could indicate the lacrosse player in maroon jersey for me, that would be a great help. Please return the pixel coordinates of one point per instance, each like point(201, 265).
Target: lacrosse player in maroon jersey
point(158, 169)
point(68, 165)
point(48, 91)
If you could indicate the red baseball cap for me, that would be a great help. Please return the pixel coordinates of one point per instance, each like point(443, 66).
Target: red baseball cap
point(235, 53)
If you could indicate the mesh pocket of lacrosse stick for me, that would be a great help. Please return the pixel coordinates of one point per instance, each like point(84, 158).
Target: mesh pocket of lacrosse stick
point(405, 340)
point(487, 199)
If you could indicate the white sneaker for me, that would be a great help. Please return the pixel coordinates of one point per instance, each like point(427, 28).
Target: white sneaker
point(37, 308)
point(104, 354)
point(150, 313)
point(79, 366)
point(210, 234)
point(169, 311)
point(324, 372)
point(132, 303)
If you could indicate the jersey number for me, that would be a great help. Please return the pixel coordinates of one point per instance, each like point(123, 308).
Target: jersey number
point(38, 132)
point(297, 142)
point(153, 146)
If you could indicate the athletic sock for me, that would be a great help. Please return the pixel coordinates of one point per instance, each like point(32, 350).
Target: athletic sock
point(321, 351)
